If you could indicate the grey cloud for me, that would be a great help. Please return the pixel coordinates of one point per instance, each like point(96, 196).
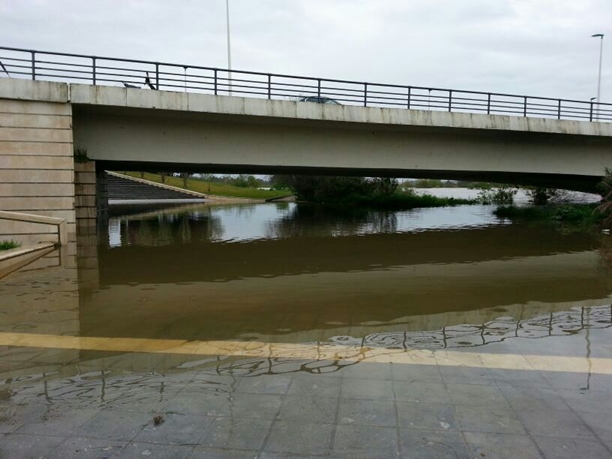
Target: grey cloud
point(536, 47)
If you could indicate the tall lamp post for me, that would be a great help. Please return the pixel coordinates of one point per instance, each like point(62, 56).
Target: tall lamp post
point(229, 47)
point(601, 37)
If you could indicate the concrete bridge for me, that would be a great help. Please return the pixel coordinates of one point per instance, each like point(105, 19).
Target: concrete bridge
point(540, 143)
point(135, 129)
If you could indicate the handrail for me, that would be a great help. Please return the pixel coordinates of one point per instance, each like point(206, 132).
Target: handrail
point(157, 75)
point(60, 223)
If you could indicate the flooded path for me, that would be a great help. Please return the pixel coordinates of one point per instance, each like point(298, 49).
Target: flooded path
point(289, 330)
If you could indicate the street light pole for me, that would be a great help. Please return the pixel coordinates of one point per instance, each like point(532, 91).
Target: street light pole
point(601, 36)
point(229, 47)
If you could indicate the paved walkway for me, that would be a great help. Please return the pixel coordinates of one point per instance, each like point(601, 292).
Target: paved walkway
point(409, 404)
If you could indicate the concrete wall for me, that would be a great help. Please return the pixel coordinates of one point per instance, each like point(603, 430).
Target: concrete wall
point(36, 159)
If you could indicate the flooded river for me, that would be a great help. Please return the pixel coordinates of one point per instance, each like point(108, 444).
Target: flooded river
point(364, 334)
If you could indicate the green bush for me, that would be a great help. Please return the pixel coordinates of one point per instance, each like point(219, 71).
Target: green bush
point(571, 216)
point(80, 155)
point(7, 245)
point(367, 193)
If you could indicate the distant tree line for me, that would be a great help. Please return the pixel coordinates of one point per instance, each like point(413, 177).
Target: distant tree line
point(240, 180)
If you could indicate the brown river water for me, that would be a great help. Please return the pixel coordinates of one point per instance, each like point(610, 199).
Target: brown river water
point(167, 297)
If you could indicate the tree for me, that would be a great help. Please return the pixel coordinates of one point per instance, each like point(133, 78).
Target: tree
point(185, 176)
point(245, 181)
point(605, 189)
point(334, 189)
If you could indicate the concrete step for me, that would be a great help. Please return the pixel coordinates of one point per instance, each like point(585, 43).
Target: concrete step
point(123, 189)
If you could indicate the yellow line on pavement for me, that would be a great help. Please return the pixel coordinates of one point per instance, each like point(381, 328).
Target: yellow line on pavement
point(312, 351)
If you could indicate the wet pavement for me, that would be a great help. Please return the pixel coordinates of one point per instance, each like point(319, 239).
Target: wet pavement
point(503, 399)
point(361, 343)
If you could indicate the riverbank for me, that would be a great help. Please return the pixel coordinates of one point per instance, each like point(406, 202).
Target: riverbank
point(576, 216)
point(397, 201)
point(212, 188)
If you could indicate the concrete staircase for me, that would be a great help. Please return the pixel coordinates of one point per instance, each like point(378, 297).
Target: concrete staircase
point(120, 188)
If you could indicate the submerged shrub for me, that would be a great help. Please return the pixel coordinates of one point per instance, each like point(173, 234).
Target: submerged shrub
point(500, 195)
point(570, 217)
point(541, 196)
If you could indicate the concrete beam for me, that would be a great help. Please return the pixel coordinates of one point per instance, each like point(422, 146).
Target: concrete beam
point(149, 139)
point(293, 110)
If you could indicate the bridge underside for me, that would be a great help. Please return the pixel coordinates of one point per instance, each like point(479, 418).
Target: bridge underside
point(563, 181)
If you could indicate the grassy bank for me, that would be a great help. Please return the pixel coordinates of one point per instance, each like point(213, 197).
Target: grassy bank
point(398, 201)
point(218, 189)
point(579, 216)
point(7, 245)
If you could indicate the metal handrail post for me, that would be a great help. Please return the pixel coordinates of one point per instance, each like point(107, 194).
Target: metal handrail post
point(489, 104)
point(215, 76)
point(365, 94)
point(450, 101)
point(93, 66)
point(33, 65)
point(559, 110)
point(157, 76)
point(269, 86)
point(319, 88)
point(409, 94)
point(525, 107)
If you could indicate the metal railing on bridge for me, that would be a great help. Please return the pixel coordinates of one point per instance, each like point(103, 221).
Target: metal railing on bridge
point(98, 70)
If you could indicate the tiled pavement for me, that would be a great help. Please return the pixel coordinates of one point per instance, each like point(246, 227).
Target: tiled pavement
point(368, 410)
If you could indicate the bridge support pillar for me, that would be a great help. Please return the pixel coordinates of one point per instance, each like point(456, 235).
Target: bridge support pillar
point(101, 193)
point(91, 194)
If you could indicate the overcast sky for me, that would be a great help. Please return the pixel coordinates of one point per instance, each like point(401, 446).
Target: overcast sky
point(535, 47)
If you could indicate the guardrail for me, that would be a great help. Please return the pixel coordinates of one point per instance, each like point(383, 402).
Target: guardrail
point(98, 70)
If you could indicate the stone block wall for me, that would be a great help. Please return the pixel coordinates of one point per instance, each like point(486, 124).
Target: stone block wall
point(90, 206)
point(36, 167)
point(85, 194)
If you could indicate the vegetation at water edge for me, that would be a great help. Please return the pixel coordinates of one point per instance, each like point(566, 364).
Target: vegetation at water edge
point(605, 208)
point(367, 193)
point(570, 216)
point(503, 194)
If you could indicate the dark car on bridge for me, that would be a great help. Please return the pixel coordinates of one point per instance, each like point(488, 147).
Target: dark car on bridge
point(319, 100)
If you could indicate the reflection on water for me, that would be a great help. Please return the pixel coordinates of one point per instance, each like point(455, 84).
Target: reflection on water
point(238, 223)
point(141, 374)
point(210, 294)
